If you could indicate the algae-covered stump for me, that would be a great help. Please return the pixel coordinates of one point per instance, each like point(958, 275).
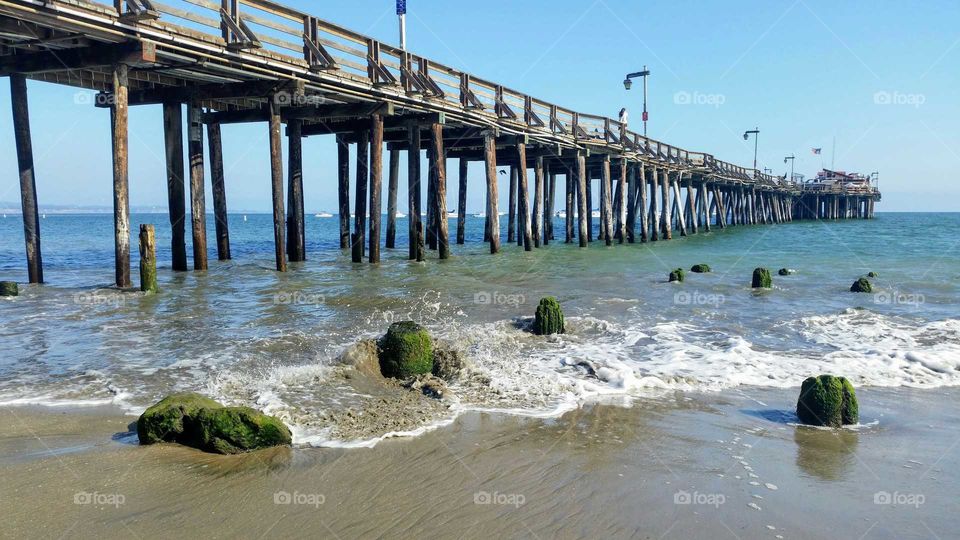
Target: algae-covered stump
point(861, 285)
point(549, 317)
point(762, 279)
point(9, 288)
point(828, 401)
point(700, 269)
point(405, 350)
point(166, 421)
point(677, 275)
point(785, 272)
point(873, 275)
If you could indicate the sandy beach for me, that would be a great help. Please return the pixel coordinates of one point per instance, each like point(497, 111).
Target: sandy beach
point(678, 465)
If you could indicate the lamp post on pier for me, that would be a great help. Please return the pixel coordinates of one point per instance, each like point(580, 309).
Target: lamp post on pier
point(402, 13)
point(627, 83)
point(756, 143)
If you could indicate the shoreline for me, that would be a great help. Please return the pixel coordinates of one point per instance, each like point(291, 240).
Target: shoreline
point(601, 468)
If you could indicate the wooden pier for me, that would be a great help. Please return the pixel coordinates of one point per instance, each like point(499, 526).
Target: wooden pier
point(239, 61)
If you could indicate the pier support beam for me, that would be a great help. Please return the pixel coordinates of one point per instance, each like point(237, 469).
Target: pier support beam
point(524, 232)
point(538, 233)
point(439, 167)
point(549, 208)
point(654, 221)
point(568, 206)
point(296, 250)
point(343, 190)
point(121, 202)
point(276, 185)
point(413, 188)
point(376, 186)
point(28, 183)
point(512, 205)
point(493, 218)
point(360, 199)
point(665, 217)
point(692, 206)
point(583, 207)
point(679, 203)
point(622, 203)
point(605, 201)
point(176, 201)
point(198, 205)
point(631, 225)
point(462, 202)
point(642, 208)
point(217, 183)
point(392, 184)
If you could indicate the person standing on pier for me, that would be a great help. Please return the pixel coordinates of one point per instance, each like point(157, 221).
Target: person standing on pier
point(623, 122)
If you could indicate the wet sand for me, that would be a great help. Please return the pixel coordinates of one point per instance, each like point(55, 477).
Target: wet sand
point(680, 465)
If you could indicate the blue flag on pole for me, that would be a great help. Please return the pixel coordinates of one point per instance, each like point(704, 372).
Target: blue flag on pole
point(401, 7)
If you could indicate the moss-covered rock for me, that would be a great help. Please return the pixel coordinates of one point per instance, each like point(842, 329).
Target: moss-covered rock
point(677, 275)
point(828, 401)
point(549, 317)
point(9, 288)
point(861, 285)
point(232, 430)
point(762, 279)
point(700, 268)
point(405, 350)
point(873, 275)
point(786, 272)
point(169, 418)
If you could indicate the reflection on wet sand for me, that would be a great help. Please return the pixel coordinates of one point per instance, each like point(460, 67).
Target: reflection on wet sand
point(826, 454)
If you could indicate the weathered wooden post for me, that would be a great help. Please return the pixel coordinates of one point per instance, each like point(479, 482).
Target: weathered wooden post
point(439, 167)
point(276, 185)
point(705, 205)
point(121, 203)
point(692, 206)
point(538, 180)
point(512, 205)
point(343, 191)
point(548, 208)
point(413, 187)
point(568, 207)
point(679, 203)
point(605, 201)
point(176, 201)
point(28, 184)
point(622, 202)
point(220, 191)
point(148, 259)
point(376, 185)
point(490, 161)
point(632, 195)
point(462, 202)
point(360, 199)
point(420, 248)
point(524, 233)
point(392, 184)
point(294, 190)
point(582, 206)
point(642, 202)
point(654, 221)
point(198, 204)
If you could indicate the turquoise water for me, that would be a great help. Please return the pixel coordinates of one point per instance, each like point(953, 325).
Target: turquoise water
point(246, 334)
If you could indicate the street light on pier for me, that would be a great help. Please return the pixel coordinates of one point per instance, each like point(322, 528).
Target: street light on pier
point(791, 158)
point(627, 83)
point(402, 13)
point(756, 143)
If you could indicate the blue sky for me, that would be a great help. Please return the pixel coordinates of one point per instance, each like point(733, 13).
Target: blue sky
point(880, 78)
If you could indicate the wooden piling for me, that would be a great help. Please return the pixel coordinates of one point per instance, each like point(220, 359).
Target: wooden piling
point(121, 203)
point(679, 202)
point(294, 190)
point(692, 207)
point(176, 202)
point(588, 178)
point(606, 201)
point(512, 205)
point(654, 221)
point(439, 167)
point(360, 199)
point(462, 202)
point(583, 210)
point(550, 209)
point(568, 205)
point(642, 201)
point(392, 184)
point(524, 232)
point(622, 202)
point(631, 225)
point(665, 217)
point(28, 183)
point(376, 185)
point(148, 259)
point(413, 187)
point(198, 205)
point(538, 202)
point(276, 177)
point(218, 186)
point(490, 161)
point(432, 221)
point(343, 190)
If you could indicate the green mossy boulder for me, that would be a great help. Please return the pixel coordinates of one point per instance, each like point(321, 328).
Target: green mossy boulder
point(232, 430)
point(9, 288)
point(873, 275)
point(168, 419)
point(700, 268)
point(861, 285)
point(549, 317)
point(762, 279)
point(677, 275)
point(828, 401)
point(785, 272)
point(405, 350)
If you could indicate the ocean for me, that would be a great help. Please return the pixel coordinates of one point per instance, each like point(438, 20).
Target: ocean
point(245, 334)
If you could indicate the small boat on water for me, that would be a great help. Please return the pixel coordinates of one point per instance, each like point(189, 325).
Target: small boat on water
point(480, 214)
point(453, 214)
point(244, 217)
point(400, 215)
point(323, 215)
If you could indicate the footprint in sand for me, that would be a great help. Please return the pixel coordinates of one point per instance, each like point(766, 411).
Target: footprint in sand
point(754, 483)
point(755, 506)
point(772, 487)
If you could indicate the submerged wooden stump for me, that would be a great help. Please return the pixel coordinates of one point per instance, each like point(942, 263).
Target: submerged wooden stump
point(148, 259)
point(9, 288)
